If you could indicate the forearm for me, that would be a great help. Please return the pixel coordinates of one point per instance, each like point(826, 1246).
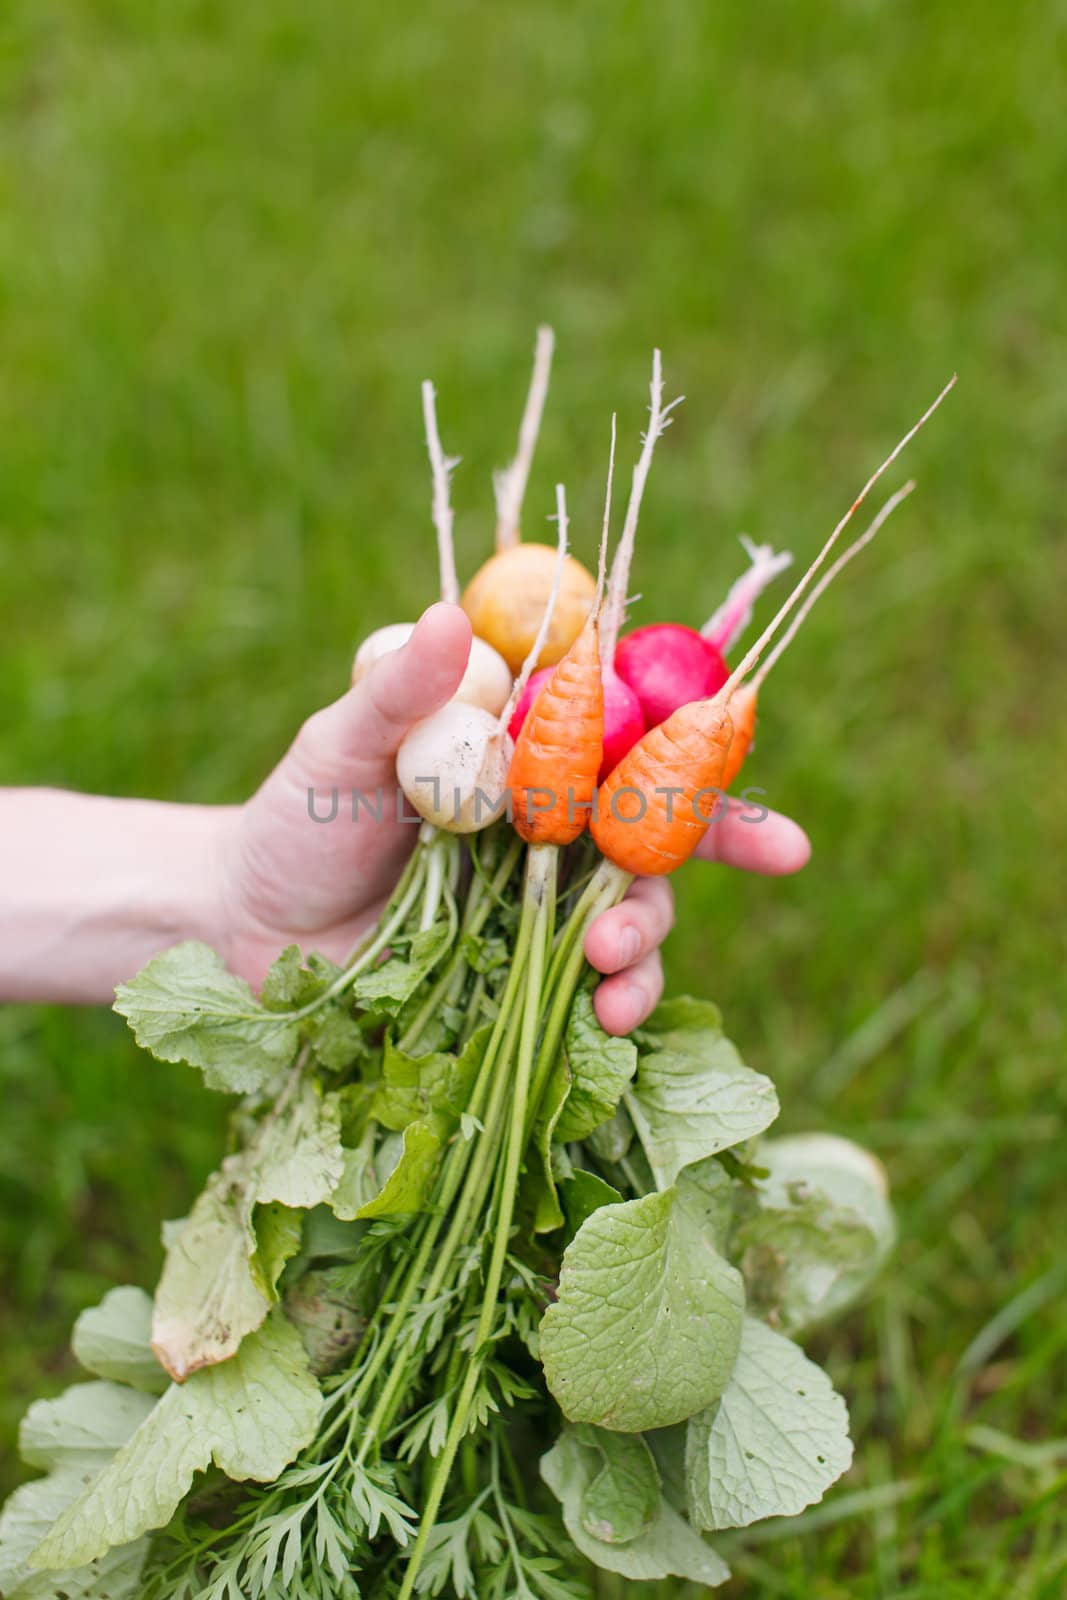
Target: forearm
point(91, 888)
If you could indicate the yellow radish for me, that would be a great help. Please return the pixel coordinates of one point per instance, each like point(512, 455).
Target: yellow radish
point(506, 599)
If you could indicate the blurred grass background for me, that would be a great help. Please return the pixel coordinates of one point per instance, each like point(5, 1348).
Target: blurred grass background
point(232, 241)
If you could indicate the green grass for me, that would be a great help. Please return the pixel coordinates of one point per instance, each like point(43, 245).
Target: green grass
point(233, 239)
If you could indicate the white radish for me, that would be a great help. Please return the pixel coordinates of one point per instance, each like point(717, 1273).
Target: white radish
point(380, 643)
point(453, 767)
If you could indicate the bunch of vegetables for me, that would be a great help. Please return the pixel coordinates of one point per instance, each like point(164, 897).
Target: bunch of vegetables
point(481, 1301)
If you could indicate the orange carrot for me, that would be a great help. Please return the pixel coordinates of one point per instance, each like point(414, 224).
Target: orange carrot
point(561, 743)
point(743, 712)
point(655, 807)
point(653, 810)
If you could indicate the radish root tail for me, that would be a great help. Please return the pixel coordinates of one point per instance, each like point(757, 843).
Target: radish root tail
point(442, 467)
point(509, 486)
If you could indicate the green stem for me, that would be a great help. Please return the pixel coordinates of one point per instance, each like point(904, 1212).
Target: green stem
point(539, 897)
point(607, 887)
point(387, 930)
point(480, 901)
point(463, 1168)
point(464, 1160)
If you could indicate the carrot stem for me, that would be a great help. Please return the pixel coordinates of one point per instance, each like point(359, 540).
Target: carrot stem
point(659, 420)
point(537, 901)
point(546, 618)
point(752, 658)
point(828, 577)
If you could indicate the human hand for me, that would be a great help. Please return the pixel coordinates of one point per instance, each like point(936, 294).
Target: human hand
point(287, 879)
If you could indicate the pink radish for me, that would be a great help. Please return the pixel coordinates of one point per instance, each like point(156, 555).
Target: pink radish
point(668, 665)
point(623, 722)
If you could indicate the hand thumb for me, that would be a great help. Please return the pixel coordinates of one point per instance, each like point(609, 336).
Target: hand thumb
point(353, 741)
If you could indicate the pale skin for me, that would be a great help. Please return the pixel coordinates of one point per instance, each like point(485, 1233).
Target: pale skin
point(93, 887)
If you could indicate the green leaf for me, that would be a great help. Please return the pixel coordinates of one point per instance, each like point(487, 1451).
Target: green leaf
point(359, 1181)
point(647, 1322)
point(600, 1067)
point(483, 953)
point(390, 986)
point(582, 1194)
point(712, 1195)
point(686, 1106)
point(414, 1087)
point(297, 1158)
point(335, 1036)
point(114, 1340)
point(28, 1516)
point(82, 1427)
point(613, 1139)
point(773, 1444)
point(682, 1023)
point(406, 1189)
point(327, 1238)
point(668, 1450)
point(278, 1230)
point(289, 984)
point(219, 1277)
point(822, 1231)
point(667, 1547)
point(250, 1417)
point(326, 1314)
point(623, 1499)
point(185, 1006)
point(209, 1296)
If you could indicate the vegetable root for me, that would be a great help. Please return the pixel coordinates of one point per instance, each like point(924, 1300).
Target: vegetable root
point(510, 484)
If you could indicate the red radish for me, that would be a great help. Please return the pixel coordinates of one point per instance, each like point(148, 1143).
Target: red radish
point(527, 698)
point(734, 615)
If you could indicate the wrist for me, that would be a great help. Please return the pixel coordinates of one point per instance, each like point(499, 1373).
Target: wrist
point(95, 887)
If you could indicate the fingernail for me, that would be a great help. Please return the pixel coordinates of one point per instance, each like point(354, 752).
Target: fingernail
point(629, 947)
